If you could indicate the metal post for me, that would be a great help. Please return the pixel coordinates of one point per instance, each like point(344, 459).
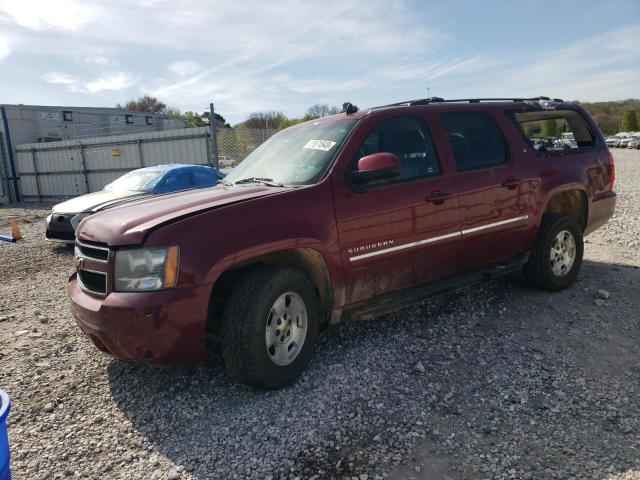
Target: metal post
point(208, 149)
point(4, 177)
point(84, 168)
point(35, 170)
point(140, 157)
point(214, 137)
point(12, 164)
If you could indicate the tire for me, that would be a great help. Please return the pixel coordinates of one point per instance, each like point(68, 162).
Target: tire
point(250, 321)
point(555, 274)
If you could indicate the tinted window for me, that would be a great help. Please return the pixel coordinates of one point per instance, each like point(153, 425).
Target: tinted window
point(475, 139)
point(554, 132)
point(178, 181)
point(406, 137)
point(204, 178)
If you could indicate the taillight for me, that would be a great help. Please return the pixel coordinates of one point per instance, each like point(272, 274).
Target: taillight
point(612, 170)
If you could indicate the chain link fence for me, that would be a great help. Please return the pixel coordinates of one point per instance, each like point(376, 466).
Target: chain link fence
point(234, 144)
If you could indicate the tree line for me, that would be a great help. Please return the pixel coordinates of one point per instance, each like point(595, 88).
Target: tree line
point(611, 117)
point(614, 117)
point(269, 120)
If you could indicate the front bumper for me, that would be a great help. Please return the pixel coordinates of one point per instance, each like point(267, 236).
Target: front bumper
point(164, 327)
point(59, 228)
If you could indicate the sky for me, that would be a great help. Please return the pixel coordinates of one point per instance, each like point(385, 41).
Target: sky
point(255, 55)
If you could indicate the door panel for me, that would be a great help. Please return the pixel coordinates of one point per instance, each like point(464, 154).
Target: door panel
point(495, 203)
point(398, 234)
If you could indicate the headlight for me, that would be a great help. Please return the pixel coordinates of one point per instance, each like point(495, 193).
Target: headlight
point(75, 220)
point(152, 268)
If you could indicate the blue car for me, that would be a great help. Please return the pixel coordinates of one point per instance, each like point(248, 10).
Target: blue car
point(137, 184)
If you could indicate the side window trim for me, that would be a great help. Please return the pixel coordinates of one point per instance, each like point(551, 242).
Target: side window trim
point(430, 142)
point(595, 145)
point(508, 158)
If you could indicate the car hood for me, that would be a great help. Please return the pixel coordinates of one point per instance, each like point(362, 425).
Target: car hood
point(96, 201)
point(129, 224)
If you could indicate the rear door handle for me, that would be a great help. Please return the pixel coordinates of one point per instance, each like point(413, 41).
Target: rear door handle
point(438, 197)
point(511, 183)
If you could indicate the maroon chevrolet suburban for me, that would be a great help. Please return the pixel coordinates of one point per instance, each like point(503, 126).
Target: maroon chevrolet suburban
point(351, 215)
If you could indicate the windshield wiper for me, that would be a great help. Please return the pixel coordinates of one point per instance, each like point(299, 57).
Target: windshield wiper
point(224, 182)
point(264, 181)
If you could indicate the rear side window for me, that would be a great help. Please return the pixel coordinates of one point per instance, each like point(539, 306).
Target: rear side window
point(406, 137)
point(204, 178)
point(475, 139)
point(554, 132)
point(178, 181)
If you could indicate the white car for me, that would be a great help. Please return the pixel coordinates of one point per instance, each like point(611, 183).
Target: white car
point(624, 143)
point(615, 140)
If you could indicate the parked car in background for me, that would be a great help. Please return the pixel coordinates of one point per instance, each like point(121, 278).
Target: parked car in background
point(568, 139)
point(617, 139)
point(347, 216)
point(624, 143)
point(137, 184)
point(612, 142)
point(635, 144)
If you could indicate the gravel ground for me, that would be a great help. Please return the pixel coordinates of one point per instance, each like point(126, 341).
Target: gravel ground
point(494, 381)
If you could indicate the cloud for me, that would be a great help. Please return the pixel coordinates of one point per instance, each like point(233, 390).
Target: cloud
point(255, 55)
point(184, 68)
point(100, 61)
point(44, 14)
point(428, 71)
point(5, 48)
point(104, 83)
point(111, 82)
point(60, 78)
point(581, 69)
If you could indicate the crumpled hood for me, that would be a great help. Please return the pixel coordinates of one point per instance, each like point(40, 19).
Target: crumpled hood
point(94, 201)
point(129, 224)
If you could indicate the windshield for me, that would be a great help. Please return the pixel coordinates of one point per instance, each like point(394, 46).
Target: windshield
point(298, 155)
point(138, 181)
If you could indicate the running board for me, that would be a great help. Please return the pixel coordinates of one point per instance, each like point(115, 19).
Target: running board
point(393, 301)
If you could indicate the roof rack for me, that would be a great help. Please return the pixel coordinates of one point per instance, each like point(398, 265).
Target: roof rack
point(430, 100)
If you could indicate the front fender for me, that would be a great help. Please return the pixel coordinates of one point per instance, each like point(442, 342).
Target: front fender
point(214, 241)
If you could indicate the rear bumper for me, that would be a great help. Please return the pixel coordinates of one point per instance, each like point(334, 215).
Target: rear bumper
point(164, 327)
point(600, 211)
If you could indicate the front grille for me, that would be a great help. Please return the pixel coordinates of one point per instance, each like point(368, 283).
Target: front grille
point(92, 258)
point(93, 250)
point(95, 282)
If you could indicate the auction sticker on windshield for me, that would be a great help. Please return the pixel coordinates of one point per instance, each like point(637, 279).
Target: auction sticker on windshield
point(320, 145)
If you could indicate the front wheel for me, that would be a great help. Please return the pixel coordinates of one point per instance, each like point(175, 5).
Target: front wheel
point(556, 257)
point(270, 325)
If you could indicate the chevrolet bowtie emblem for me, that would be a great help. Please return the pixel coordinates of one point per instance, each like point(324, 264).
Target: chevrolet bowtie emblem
point(77, 261)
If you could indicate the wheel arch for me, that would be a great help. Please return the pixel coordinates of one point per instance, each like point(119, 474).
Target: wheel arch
point(571, 201)
point(306, 259)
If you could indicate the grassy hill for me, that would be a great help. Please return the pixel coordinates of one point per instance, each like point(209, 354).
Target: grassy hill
point(609, 114)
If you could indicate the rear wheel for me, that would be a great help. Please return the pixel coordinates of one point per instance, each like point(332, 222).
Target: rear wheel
point(269, 327)
point(556, 257)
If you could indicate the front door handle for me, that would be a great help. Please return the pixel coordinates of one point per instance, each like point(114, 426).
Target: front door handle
point(438, 197)
point(512, 182)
